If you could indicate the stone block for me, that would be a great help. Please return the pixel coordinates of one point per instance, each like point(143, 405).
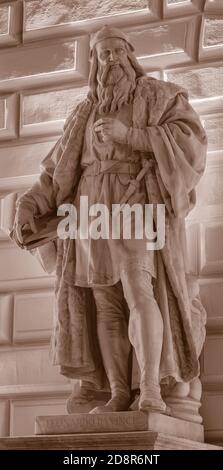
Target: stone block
point(44, 20)
point(21, 160)
point(210, 190)
point(175, 2)
point(4, 19)
point(173, 8)
point(214, 6)
point(211, 295)
point(201, 83)
point(10, 23)
point(164, 44)
point(2, 113)
point(5, 319)
point(192, 241)
point(212, 410)
point(45, 112)
point(212, 354)
point(213, 32)
point(141, 440)
point(43, 14)
point(44, 63)
point(7, 215)
point(4, 418)
point(28, 366)
point(211, 38)
point(210, 250)
point(18, 264)
point(214, 129)
point(24, 413)
point(33, 314)
point(8, 113)
point(125, 421)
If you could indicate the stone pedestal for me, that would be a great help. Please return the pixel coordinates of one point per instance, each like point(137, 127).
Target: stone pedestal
point(140, 440)
point(122, 422)
point(131, 431)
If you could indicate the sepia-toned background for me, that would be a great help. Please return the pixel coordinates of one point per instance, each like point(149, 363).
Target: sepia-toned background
point(44, 47)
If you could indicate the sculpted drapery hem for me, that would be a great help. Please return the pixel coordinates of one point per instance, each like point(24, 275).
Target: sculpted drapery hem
point(178, 141)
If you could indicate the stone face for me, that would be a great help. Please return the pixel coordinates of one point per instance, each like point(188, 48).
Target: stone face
point(4, 19)
point(118, 422)
point(213, 32)
point(2, 114)
point(214, 129)
point(51, 106)
point(45, 13)
point(33, 316)
point(201, 83)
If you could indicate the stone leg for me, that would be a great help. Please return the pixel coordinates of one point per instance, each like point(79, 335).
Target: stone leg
point(84, 398)
point(112, 330)
point(145, 334)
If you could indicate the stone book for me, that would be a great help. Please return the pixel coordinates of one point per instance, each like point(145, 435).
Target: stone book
point(46, 231)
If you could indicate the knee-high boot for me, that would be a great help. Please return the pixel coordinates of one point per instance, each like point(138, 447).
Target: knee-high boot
point(146, 336)
point(115, 348)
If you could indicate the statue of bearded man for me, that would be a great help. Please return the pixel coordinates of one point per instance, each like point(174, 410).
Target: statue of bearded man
point(120, 308)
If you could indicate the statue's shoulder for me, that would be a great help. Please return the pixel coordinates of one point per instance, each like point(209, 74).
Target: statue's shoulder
point(151, 86)
point(82, 108)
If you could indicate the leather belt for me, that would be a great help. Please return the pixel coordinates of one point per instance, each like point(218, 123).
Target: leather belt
point(112, 166)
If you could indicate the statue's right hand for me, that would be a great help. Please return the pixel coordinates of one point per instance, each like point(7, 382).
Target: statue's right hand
point(24, 216)
point(18, 228)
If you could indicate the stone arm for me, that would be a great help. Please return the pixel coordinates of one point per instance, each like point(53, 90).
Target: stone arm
point(138, 139)
point(41, 198)
point(179, 144)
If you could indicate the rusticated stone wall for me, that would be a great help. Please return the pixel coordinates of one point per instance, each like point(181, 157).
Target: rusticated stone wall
point(44, 47)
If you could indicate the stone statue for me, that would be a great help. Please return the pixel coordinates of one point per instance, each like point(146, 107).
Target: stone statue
point(129, 323)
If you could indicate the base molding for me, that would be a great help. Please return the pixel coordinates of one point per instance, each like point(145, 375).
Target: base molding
point(140, 440)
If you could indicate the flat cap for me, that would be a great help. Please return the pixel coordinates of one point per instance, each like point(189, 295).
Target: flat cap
point(107, 32)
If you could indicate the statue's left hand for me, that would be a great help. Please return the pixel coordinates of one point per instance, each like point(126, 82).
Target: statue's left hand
point(112, 130)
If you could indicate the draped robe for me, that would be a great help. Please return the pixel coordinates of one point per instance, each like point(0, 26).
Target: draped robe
point(162, 115)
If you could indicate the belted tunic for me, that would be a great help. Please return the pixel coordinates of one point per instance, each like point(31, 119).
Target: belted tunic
point(108, 169)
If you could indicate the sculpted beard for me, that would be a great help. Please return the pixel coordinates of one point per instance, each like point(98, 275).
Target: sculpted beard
point(116, 83)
